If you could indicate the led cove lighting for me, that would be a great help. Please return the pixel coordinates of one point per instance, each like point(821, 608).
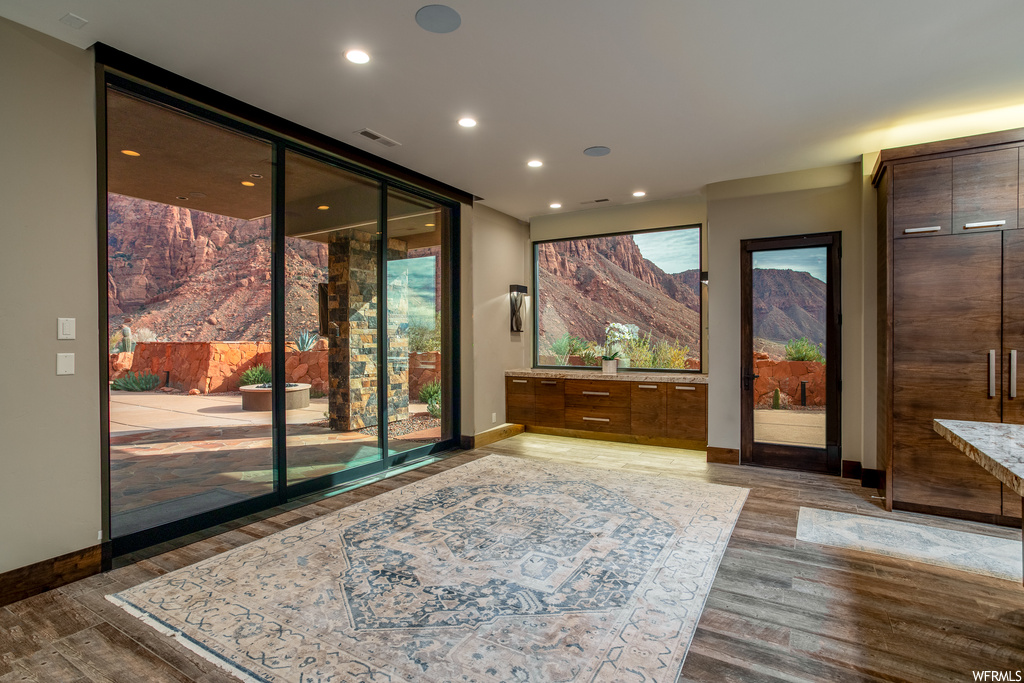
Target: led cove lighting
point(357, 56)
point(323, 207)
point(639, 193)
point(428, 225)
point(130, 153)
point(467, 122)
point(536, 163)
point(248, 183)
point(556, 205)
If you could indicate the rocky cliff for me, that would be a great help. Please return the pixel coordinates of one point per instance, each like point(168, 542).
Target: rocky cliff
point(788, 304)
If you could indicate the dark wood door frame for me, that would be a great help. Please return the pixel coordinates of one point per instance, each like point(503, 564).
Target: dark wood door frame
point(828, 459)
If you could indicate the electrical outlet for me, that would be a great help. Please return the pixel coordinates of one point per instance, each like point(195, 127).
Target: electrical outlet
point(99, 535)
point(494, 418)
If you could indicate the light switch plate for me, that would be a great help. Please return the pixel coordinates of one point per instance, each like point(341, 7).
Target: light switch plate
point(65, 363)
point(65, 328)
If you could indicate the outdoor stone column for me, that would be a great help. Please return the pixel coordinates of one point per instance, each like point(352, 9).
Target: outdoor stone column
point(352, 333)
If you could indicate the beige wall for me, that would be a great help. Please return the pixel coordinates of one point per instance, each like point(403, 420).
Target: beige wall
point(50, 458)
point(625, 218)
point(812, 201)
point(495, 254)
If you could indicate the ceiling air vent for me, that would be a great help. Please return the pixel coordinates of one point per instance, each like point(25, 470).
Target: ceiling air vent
point(594, 201)
point(378, 138)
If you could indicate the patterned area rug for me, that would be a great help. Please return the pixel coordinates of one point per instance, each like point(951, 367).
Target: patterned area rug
point(498, 570)
point(961, 550)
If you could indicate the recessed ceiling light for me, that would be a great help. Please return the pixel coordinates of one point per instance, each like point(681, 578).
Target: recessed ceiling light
point(438, 18)
point(598, 151)
point(556, 205)
point(535, 163)
point(639, 193)
point(130, 153)
point(248, 183)
point(255, 175)
point(357, 56)
point(323, 207)
point(467, 122)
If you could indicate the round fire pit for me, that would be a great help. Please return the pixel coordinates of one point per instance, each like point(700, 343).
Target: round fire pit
point(258, 397)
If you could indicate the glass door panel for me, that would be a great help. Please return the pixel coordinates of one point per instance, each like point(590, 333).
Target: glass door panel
point(417, 353)
point(331, 299)
point(789, 333)
point(189, 292)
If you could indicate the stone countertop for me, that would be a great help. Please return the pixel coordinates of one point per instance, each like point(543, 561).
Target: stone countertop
point(997, 447)
point(673, 377)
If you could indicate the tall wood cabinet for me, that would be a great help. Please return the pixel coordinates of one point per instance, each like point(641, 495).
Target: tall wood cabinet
point(951, 316)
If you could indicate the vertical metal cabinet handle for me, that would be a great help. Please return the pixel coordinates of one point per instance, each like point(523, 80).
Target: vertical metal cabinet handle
point(1013, 373)
point(992, 373)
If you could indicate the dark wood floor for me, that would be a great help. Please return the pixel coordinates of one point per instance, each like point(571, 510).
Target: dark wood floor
point(780, 609)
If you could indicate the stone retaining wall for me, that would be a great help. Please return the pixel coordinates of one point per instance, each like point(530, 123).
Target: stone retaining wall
point(786, 376)
point(424, 368)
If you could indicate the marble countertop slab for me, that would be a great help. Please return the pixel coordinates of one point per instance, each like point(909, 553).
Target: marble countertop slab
point(997, 447)
point(673, 377)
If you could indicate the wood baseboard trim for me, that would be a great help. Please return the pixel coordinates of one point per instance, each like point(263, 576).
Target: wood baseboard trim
point(491, 436)
point(851, 469)
point(619, 438)
point(984, 518)
point(723, 456)
point(40, 577)
point(872, 479)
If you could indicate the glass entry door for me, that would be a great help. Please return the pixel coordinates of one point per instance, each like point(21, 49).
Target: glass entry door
point(790, 352)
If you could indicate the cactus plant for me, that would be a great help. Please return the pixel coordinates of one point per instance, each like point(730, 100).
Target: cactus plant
point(776, 399)
point(306, 341)
point(258, 374)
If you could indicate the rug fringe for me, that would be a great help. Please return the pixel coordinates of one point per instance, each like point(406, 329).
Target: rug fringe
point(184, 640)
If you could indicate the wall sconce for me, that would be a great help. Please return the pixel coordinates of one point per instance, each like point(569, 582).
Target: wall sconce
point(703, 277)
point(516, 294)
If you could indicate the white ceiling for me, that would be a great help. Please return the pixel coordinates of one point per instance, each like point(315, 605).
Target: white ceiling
point(685, 92)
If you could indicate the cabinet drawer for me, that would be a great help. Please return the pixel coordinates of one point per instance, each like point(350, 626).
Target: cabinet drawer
point(922, 198)
point(519, 408)
point(687, 411)
point(597, 393)
point(519, 385)
point(647, 408)
point(985, 191)
point(549, 387)
point(598, 419)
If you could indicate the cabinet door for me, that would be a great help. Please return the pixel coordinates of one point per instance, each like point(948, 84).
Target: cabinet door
point(549, 403)
point(519, 404)
point(1013, 326)
point(922, 198)
point(947, 295)
point(985, 191)
point(1011, 503)
point(688, 411)
point(647, 409)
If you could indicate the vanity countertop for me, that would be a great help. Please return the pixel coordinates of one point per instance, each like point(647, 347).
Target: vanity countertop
point(638, 376)
point(997, 447)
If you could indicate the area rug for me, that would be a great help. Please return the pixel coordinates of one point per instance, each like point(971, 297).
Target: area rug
point(498, 570)
point(961, 550)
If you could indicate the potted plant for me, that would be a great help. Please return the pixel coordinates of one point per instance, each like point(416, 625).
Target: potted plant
point(610, 362)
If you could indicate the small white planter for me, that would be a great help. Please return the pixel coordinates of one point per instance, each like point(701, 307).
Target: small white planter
point(609, 367)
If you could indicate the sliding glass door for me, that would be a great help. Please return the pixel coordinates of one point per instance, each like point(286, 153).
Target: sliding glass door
point(280, 319)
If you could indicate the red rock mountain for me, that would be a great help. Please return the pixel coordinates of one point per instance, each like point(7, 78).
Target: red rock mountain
point(193, 276)
point(585, 284)
point(788, 304)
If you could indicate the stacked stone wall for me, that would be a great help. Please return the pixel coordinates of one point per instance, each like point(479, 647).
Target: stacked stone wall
point(787, 376)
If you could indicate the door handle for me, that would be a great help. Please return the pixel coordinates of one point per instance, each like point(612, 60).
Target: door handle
point(992, 373)
point(1013, 373)
point(748, 381)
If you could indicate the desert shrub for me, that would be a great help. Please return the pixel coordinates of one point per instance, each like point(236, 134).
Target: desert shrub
point(430, 390)
point(644, 353)
point(804, 349)
point(568, 345)
point(591, 355)
point(137, 381)
point(115, 342)
point(306, 340)
point(423, 339)
point(434, 406)
point(144, 334)
point(258, 374)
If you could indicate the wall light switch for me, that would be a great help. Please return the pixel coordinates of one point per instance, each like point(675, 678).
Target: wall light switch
point(494, 418)
point(65, 328)
point(65, 363)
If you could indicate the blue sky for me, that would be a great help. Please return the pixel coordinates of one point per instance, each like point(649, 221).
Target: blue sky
point(671, 250)
point(809, 260)
point(421, 287)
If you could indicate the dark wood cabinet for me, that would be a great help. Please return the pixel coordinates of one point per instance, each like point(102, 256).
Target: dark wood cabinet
point(673, 412)
point(950, 316)
point(923, 192)
point(985, 188)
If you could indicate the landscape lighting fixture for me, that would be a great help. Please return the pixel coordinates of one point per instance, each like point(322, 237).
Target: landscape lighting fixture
point(516, 295)
point(357, 56)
